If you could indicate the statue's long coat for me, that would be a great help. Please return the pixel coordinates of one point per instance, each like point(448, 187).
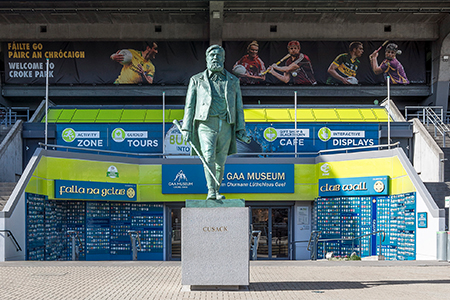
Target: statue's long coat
point(198, 102)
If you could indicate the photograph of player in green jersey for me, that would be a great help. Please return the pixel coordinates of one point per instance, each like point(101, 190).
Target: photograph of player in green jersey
point(344, 67)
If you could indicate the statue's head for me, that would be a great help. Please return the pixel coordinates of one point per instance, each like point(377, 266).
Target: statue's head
point(215, 57)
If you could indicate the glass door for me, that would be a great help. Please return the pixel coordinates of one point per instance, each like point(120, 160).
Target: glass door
point(175, 234)
point(275, 231)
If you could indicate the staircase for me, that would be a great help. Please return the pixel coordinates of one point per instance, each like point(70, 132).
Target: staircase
point(438, 137)
point(6, 189)
point(439, 190)
point(3, 132)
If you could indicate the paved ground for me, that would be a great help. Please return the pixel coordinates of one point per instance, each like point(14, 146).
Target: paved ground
point(269, 280)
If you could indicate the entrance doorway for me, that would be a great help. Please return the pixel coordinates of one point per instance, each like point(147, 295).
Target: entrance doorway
point(273, 222)
point(174, 244)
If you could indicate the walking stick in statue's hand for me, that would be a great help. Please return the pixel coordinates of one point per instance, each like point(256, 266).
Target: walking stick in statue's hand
point(279, 62)
point(197, 152)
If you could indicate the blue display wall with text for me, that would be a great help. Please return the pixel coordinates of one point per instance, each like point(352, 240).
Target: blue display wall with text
point(347, 224)
point(101, 225)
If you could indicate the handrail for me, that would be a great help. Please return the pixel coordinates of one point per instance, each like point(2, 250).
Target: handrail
point(389, 146)
point(313, 237)
point(11, 236)
point(133, 236)
point(437, 122)
point(397, 144)
point(76, 249)
point(422, 108)
point(10, 116)
point(355, 238)
point(78, 237)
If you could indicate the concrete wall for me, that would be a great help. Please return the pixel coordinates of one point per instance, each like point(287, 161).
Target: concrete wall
point(11, 154)
point(15, 223)
point(428, 156)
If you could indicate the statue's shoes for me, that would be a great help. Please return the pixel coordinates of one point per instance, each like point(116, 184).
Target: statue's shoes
point(211, 195)
point(219, 196)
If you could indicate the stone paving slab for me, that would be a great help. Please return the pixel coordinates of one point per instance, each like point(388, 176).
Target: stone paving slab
point(268, 280)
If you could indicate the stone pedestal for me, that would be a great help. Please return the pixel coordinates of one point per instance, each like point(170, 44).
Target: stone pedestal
point(215, 246)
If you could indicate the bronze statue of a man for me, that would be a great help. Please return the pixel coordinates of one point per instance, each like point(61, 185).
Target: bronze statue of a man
point(214, 117)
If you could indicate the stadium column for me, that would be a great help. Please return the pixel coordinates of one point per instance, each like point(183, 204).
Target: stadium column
point(215, 22)
point(441, 63)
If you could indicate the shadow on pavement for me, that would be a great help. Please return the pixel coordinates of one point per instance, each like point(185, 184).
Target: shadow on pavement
point(334, 285)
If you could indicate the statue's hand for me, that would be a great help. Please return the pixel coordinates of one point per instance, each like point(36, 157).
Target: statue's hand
point(186, 135)
point(242, 136)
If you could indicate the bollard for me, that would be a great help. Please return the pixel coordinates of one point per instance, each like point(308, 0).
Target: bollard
point(441, 249)
point(133, 247)
point(448, 245)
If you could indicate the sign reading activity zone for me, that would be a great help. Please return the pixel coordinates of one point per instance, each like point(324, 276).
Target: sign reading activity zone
point(136, 138)
point(89, 190)
point(258, 178)
point(359, 186)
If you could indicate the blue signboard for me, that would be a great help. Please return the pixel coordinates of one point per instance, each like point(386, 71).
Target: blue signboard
point(422, 220)
point(89, 190)
point(265, 137)
point(256, 178)
point(310, 137)
point(135, 138)
point(360, 186)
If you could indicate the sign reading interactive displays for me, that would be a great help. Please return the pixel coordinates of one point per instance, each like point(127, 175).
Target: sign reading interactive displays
point(257, 178)
point(360, 186)
point(310, 137)
point(89, 190)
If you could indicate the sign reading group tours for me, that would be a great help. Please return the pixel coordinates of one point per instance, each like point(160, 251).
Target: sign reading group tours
point(173, 63)
point(256, 178)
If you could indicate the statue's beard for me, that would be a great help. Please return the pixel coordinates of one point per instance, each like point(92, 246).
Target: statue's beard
point(215, 66)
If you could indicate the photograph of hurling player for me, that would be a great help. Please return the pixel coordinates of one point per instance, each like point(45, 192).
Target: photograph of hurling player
point(297, 69)
point(390, 66)
point(344, 67)
point(137, 66)
point(250, 68)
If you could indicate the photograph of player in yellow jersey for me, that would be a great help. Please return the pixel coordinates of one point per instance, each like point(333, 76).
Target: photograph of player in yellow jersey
point(137, 66)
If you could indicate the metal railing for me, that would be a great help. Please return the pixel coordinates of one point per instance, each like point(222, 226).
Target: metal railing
point(260, 154)
point(13, 239)
point(76, 247)
point(9, 115)
point(419, 112)
point(312, 244)
point(134, 236)
point(353, 241)
point(314, 240)
point(433, 115)
point(254, 239)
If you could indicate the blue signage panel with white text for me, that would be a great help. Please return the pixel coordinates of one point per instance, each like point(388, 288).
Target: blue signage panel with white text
point(359, 186)
point(89, 190)
point(256, 178)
